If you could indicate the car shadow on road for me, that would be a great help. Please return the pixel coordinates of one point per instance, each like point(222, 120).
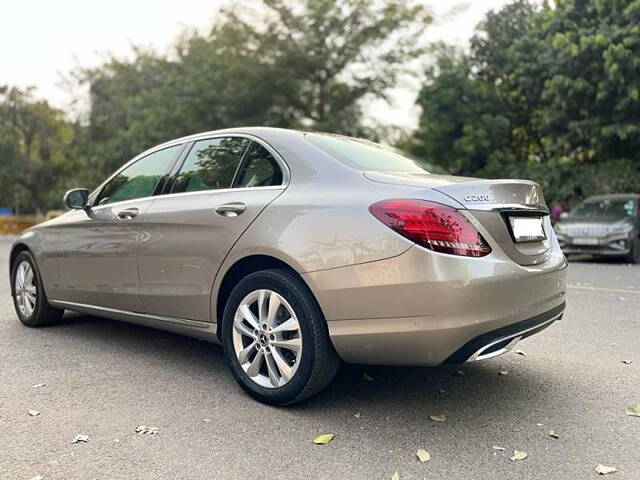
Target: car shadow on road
point(388, 391)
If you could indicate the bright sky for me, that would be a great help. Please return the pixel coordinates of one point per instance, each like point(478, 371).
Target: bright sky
point(42, 40)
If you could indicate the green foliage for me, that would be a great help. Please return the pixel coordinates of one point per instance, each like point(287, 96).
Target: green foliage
point(34, 141)
point(296, 64)
point(547, 92)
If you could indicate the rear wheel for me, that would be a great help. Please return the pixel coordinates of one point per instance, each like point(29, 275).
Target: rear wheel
point(275, 338)
point(29, 298)
point(634, 253)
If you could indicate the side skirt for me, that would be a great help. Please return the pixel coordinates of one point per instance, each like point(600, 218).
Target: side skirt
point(192, 328)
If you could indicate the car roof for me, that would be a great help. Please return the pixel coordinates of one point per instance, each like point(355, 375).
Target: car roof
point(264, 133)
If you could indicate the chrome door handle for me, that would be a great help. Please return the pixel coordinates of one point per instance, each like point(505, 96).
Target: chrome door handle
point(128, 214)
point(232, 209)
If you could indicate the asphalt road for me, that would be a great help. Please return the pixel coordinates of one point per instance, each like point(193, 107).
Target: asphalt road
point(104, 378)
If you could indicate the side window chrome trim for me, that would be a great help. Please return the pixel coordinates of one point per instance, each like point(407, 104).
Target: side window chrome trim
point(188, 143)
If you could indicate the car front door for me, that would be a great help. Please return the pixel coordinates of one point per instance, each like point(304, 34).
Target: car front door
point(222, 186)
point(97, 247)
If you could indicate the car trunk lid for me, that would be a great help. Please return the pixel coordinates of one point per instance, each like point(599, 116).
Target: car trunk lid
point(490, 204)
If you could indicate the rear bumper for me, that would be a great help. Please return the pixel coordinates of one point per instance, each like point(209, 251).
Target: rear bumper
point(425, 309)
point(502, 340)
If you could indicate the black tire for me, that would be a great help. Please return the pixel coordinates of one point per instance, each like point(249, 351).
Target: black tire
point(43, 313)
point(318, 361)
point(634, 254)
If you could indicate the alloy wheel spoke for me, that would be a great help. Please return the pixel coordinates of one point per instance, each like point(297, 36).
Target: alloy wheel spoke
point(243, 354)
point(28, 277)
point(285, 369)
point(290, 325)
point(262, 311)
point(31, 298)
point(289, 344)
point(248, 315)
point(256, 363)
point(274, 304)
point(274, 374)
point(242, 328)
point(20, 275)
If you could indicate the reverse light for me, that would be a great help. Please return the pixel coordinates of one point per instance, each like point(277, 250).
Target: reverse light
point(432, 225)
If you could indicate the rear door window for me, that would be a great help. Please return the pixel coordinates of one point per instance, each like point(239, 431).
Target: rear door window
point(211, 164)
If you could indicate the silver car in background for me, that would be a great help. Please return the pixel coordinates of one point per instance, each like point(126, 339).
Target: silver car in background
point(296, 251)
point(603, 226)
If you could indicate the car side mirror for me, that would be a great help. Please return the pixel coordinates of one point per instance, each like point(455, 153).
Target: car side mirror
point(76, 199)
point(564, 215)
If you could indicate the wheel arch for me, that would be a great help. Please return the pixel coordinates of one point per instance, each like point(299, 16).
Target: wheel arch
point(15, 250)
point(246, 266)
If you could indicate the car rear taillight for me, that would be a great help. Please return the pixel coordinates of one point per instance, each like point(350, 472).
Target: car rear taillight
point(432, 225)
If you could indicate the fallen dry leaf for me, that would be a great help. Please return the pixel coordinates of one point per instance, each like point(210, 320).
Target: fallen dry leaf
point(38, 385)
point(604, 469)
point(633, 410)
point(144, 430)
point(438, 418)
point(367, 378)
point(80, 438)
point(518, 455)
point(33, 413)
point(520, 352)
point(553, 434)
point(323, 439)
point(423, 455)
point(502, 449)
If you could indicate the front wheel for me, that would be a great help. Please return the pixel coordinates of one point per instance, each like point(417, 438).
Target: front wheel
point(275, 338)
point(29, 297)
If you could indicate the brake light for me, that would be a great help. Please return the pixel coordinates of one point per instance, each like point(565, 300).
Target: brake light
point(432, 225)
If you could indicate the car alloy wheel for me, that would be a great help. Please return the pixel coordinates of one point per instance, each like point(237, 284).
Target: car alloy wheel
point(267, 338)
point(26, 290)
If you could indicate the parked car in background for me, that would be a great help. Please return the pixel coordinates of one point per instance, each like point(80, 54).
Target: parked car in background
point(296, 251)
point(604, 225)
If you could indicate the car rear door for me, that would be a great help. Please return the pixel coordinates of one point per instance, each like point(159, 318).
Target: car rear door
point(96, 247)
point(222, 186)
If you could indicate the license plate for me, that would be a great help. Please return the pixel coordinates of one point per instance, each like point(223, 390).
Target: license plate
point(585, 241)
point(527, 229)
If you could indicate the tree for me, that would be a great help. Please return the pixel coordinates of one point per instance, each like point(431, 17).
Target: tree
point(545, 92)
point(33, 140)
point(298, 64)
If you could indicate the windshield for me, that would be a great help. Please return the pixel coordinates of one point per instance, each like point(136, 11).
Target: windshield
point(619, 207)
point(369, 156)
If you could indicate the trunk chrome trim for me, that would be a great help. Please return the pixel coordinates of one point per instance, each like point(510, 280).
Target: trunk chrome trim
point(144, 316)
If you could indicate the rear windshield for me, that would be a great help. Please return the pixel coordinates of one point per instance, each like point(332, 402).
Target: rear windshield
point(619, 207)
point(368, 156)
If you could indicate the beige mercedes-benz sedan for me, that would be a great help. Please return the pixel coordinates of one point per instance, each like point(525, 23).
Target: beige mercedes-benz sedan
point(298, 250)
